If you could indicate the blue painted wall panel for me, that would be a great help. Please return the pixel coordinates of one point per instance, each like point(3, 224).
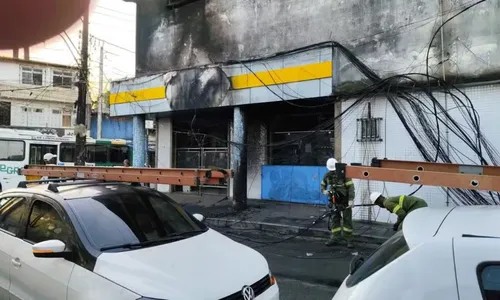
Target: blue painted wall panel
point(113, 128)
point(299, 184)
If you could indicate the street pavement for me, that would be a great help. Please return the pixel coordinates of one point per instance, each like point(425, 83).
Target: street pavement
point(291, 289)
point(305, 267)
point(277, 216)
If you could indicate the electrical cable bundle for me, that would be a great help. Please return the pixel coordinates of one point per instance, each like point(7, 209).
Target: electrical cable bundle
point(431, 133)
point(421, 113)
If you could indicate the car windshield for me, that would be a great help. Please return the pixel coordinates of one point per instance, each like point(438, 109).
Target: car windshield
point(133, 217)
point(384, 255)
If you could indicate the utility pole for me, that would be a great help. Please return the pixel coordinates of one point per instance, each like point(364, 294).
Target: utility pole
point(100, 99)
point(81, 129)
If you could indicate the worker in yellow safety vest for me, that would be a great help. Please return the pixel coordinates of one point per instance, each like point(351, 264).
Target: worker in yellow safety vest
point(399, 205)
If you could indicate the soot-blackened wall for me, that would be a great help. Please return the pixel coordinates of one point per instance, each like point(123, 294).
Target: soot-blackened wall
point(390, 36)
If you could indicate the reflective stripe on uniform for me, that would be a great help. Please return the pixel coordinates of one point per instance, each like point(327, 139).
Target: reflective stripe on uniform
point(336, 229)
point(349, 182)
point(400, 205)
point(347, 229)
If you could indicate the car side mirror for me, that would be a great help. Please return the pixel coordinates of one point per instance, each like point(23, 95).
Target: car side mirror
point(356, 262)
point(199, 217)
point(50, 248)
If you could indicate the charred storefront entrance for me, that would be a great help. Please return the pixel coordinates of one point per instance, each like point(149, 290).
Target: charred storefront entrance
point(299, 138)
point(201, 141)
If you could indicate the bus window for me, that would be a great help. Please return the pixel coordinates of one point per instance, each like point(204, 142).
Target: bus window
point(38, 151)
point(97, 154)
point(117, 154)
point(66, 152)
point(12, 150)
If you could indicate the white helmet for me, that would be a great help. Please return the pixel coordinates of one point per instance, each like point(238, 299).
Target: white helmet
point(330, 164)
point(374, 196)
point(49, 156)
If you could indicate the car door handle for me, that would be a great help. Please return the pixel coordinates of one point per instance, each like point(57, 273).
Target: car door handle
point(16, 262)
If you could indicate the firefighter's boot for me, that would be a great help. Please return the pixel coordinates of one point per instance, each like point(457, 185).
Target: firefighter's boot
point(332, 241)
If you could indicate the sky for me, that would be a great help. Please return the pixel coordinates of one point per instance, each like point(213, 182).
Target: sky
point(112, 21)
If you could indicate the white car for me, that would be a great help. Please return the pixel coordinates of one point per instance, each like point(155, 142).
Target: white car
point(442, 254)
point(88, 240)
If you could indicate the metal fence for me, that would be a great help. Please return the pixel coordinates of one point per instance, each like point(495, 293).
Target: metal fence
point(215, 157)
point(203, 158)
point(188, 158)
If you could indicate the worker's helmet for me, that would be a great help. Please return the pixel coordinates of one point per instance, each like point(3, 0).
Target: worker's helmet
point(374, 196)
point(49, 156)
point(330, 164)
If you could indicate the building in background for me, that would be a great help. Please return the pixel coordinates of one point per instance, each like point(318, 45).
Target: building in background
point(250, 85)
point(37, 95)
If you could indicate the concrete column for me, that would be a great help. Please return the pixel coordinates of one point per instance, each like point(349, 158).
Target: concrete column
point(140, 141)
point(230, 192)
point(257, 156)
point(337, 147)
point(164, 149)
point(239, 159)
point(26, 53)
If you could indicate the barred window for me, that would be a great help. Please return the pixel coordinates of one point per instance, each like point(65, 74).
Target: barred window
point(62, 79)
point(32, 76)
point(368, 130)
point(5, 113)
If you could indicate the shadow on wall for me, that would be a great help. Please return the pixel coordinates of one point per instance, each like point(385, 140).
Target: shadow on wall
point(299, 184)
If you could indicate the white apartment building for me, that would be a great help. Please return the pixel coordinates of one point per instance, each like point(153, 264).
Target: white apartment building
point(37, 94)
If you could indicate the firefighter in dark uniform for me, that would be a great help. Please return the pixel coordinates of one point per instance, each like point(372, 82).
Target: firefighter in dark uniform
point(399, 205)
point(343, 199)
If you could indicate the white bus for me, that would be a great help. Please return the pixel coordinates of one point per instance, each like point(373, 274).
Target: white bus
point(22, 147)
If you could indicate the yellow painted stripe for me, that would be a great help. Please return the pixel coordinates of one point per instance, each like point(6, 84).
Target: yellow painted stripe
point(282, 76)
point(138, 95)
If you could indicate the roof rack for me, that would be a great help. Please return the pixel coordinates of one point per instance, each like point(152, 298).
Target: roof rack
point(54, 187)
point(24, 184)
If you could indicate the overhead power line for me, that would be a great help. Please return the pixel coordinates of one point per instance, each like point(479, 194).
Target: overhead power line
point(115, 11)
point(115, 17)
point(115, 45)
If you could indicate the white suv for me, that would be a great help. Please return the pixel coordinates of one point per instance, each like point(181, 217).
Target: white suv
point(88, 240)
point(443, 254)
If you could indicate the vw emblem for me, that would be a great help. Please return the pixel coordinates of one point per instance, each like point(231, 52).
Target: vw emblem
point(248, 293)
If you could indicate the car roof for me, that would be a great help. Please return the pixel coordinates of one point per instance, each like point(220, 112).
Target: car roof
point(79, 190)
point(449, 222)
